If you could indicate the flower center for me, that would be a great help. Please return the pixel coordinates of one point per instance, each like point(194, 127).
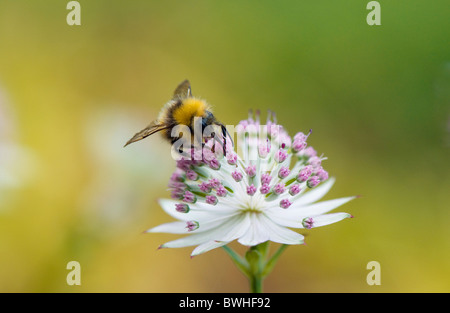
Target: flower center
point(253, 205)
point(251, 210)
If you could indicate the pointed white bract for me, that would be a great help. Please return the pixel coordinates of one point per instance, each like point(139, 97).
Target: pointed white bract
point(269, 185)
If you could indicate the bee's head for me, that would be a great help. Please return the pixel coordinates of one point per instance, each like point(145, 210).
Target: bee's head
point(208, 119)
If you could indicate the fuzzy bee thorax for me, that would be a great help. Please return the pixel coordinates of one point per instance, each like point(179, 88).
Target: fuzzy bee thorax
point(189, 108)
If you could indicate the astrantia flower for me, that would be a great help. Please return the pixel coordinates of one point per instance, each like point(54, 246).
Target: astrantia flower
point(257, 194)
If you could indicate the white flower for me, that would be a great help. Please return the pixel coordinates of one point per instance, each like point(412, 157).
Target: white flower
point(256, 195)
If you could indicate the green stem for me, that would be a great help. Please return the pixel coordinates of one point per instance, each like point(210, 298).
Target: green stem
point(256, 283)
point(273, 260)
point(255, 264)
point(240, 262)
point(255, 257)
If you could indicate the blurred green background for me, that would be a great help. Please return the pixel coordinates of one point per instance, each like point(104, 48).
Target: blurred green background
point(376, 97)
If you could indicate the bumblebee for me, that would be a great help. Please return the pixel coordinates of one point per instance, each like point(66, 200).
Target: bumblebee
point(182, 109)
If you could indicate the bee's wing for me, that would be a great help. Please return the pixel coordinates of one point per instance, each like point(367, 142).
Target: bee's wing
point(183, 91)
point(149, 130)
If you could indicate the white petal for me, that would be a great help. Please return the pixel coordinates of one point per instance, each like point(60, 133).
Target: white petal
point(256, 233)
point(214, 233)
point(199, 211)
point(323, 207)
point(207, 246)
point(296, 213)
point(238, 229)
point(187, 241)
point(281, 234)
point(169, 207)
point(216, 223)
point(180, 227)
point(316, 193)
point(331, 218)
point(282, 220)
point(172, 228)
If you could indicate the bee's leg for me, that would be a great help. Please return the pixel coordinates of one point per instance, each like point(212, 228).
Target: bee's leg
point(224, 135)
point(196, 152)
point(216, 138)
point(180, 148)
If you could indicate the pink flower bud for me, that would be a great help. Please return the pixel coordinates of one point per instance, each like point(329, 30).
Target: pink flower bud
point(279, 188)
point(309, 152)
point(285, 203)
point(251, 170)
point(189, 197)
point(300, 136)
point(264, 149)
point(182, 207)
point(308, 222)
point(265, 188)
point(211, 200)
point(232, 158)
point(177, 194)
point(205, 187)
point(266, 178)
point(299, 142)
point(190, 174)
point(221, 191)
point(251, 190)
point(313, 182)
point(214, 164)
point(176, 177)
point(237, 176)
point(322, 174)
point(214, 183)
point(280, 156)
point(304, 174)
point(295, 189)
point(192, 225)
point(298, 145)
point(184, 164)
point(315, 161)
point(283, 172)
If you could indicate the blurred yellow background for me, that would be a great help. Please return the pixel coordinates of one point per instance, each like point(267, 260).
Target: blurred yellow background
point(376, 97)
